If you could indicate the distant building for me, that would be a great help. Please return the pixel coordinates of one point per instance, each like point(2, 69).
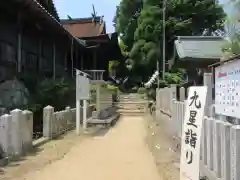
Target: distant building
point(196, 53)
point(101, 46)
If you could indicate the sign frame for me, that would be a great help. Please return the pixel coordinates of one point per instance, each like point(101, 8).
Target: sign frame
point(82, 86)
point(227, 87)
point(191, 133)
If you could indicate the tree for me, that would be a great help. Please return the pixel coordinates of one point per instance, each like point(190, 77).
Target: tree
point(126, 20)
point(183, 18)
point(232, 28)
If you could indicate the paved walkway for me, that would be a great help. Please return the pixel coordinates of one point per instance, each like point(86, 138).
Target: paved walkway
point(120, 154)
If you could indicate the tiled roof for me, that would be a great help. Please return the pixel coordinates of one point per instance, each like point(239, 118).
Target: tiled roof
point(84, 27)
point(199, 47)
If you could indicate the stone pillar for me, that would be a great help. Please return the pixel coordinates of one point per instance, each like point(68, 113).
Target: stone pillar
point(5, 134)
point(207, 80)
point(188, 91)
point(209, 132)
point(217, 147)
point(98, 98)
point(235, 152)
point(204, 142)
point(85, 106)
point(173, 95)
point(17, 136)
point(158, 103)
point(182, 94)
point(69, 118)
point(48, 121)
point(28, 130)
point(78, 116)
point(225, 150)
point(174, 115)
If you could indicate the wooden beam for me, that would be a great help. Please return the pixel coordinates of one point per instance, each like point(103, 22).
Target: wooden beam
point(72, 58)
point(65, 61)
point(95, 59)
point(98, 41)
point(82, 61)
point(19, 45)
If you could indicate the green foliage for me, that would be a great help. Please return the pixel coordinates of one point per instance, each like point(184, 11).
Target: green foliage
point(58, 93)
point(123, 48)
point(112, 65)
point(173, 78)
point(232, 28)
point(140, 25)
point(112, 87)
point(126, 20)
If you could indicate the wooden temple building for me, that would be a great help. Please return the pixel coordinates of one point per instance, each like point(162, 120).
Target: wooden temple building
point(100, 47)
point(34, 40)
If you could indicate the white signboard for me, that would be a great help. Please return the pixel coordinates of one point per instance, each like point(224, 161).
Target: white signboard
point(191, 134)
point(227, 89)
point(82, 87)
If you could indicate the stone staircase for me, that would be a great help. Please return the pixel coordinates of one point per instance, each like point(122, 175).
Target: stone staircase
point(132, 104)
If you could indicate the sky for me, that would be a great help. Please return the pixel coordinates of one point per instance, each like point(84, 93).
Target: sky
point(83, 8)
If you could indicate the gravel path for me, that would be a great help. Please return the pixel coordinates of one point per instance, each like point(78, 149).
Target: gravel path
point(119, 154)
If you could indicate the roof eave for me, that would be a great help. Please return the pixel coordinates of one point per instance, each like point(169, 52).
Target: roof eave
point(34, 4)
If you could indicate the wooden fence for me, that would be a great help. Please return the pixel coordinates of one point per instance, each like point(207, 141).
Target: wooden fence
point(220, 145)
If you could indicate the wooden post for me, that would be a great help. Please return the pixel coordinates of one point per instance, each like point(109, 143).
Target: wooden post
point(78, 117)
point(95, 59)
point(72, 58)
point(207, 80)
point(82, 63)
point(54, 61)
point(65, 61)
point(85, 114)
point(77, 63)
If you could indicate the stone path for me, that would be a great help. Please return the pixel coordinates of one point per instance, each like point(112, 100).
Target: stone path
point(119, 154)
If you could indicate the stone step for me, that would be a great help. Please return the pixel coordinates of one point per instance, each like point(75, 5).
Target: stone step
point(130, 111)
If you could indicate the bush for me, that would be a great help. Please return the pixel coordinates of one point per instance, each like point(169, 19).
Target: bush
point(57, 93)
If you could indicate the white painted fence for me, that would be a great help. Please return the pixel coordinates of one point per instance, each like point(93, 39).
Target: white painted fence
point(220, 145)
point(16, 128)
